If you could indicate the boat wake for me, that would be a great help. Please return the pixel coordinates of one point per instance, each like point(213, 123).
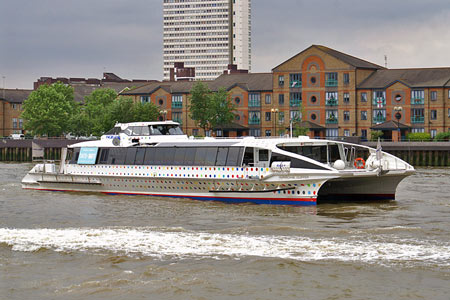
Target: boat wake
point(182, 244)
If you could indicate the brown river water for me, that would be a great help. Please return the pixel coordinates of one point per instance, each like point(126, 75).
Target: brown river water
point(57, 245)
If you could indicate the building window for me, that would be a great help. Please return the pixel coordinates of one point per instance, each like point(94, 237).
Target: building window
point(363, 115)
point(346, 98)
point(364, 97)
point(14, 106)
point(281, 117)
point(313, 99)
point(268, 98)
point(237, 100)
point(268, 133)
point(219, 133)
point(313, 117)
point(255, 132)
point(281, 80)
point(20, 123)
point(364, 133)
point(398, 98)
point(448, 94)
point(417, 115)
point(449, 112)
point(346, 115)
point(418, 97)
point(177, 101)
point(313, 81)
point(433, 114)
point(145, 99)
point(331, 79)
point(433, 133)
point(346, 132)
point(254, 118)
point(177, 117)
point(379, 115)
point(346, 78)
point(332, 133)
point(331, 98)
point(254, 100)
point(418, 130)
point(295, 99)
point(433, 95)
point(268, 114)
point(295, 80)
point(195, 132)
point(14, 123)
point(331, 116)
point(281, 99)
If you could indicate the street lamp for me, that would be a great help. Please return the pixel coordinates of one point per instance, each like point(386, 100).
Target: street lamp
point(275, 112)
point(398, 116)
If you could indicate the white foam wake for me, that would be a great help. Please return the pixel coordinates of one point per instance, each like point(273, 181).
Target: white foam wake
point(188, 244)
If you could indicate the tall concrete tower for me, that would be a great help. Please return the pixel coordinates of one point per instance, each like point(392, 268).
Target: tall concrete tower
point(207, 35)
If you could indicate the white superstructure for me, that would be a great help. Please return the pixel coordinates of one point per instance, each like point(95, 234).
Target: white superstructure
point(207, 35)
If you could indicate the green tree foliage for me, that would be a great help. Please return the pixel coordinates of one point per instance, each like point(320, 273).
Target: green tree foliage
point(298, 129)
point(208, 109)
point(221, 109)
point(442, 136)
point(145, 112)
point(375, 134)
point(96, 110)
point(48, 109)
point(200, 105)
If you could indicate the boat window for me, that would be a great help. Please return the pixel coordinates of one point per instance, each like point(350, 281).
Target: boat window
point(140, 154)
point(154, 131)
point(113, 131)
point(169, 154)
point(149, 158)
point(178, 159)
point(234, 157)
point(190, 156)
point(176, 130)
point(333, 151)
point(210, 158)
point(263, 155)
point(159, 156)
point(317, 153)
point(76, 153)
point(130, 157)
point(248, 157)
point(145, 130)
point(103, 157)
point(200, 156)
point(117, 156)
point(222, 154)
point(295, 162)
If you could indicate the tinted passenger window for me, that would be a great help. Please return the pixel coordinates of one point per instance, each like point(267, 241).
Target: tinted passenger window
point(210, 158)
point(140, 154)
point(190, 156)
point(222, 154)
point(131, 155)
point(200, 157)
point(149, 156)
point(234, 156)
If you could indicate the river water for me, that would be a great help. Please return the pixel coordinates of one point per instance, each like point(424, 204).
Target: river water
point(86, 246)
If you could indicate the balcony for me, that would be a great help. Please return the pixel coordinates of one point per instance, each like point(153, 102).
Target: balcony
point(254, 103)
point(417, 119)
point(379, 102)
point(177, 104)
point(417, 101)
point(295, 102)
point(331, 120)
point(379, 119)
point(331, 102)
point(295, 84)
point(331, 82)
point(254, 121)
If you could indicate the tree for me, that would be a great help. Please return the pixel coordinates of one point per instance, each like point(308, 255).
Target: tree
point(298, 129)
point(145, 112)
point(200, 105)
point(222, 109)
point(208, 109)
point(96, 109)
point(48, 109)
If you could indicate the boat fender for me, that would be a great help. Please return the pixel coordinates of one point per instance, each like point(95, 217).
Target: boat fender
point(360, 163)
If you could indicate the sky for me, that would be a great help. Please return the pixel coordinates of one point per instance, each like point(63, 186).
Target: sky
point(84, 38)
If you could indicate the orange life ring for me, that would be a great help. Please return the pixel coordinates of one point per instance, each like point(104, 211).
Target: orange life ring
point(360, 163)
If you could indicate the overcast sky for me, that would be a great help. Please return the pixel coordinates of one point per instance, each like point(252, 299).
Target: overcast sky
point(84, 38)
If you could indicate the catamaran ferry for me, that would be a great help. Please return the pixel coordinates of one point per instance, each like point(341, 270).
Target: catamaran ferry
point(157, 159)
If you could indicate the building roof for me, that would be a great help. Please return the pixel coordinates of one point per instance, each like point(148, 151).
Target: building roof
point(252, 82)
point(414, 78)
point(351, 60)
point(390, 125)
point(82, 90)
point(311, 125)
point(14, 95)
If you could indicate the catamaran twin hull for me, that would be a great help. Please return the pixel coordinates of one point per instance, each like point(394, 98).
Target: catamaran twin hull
point(227, 184)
